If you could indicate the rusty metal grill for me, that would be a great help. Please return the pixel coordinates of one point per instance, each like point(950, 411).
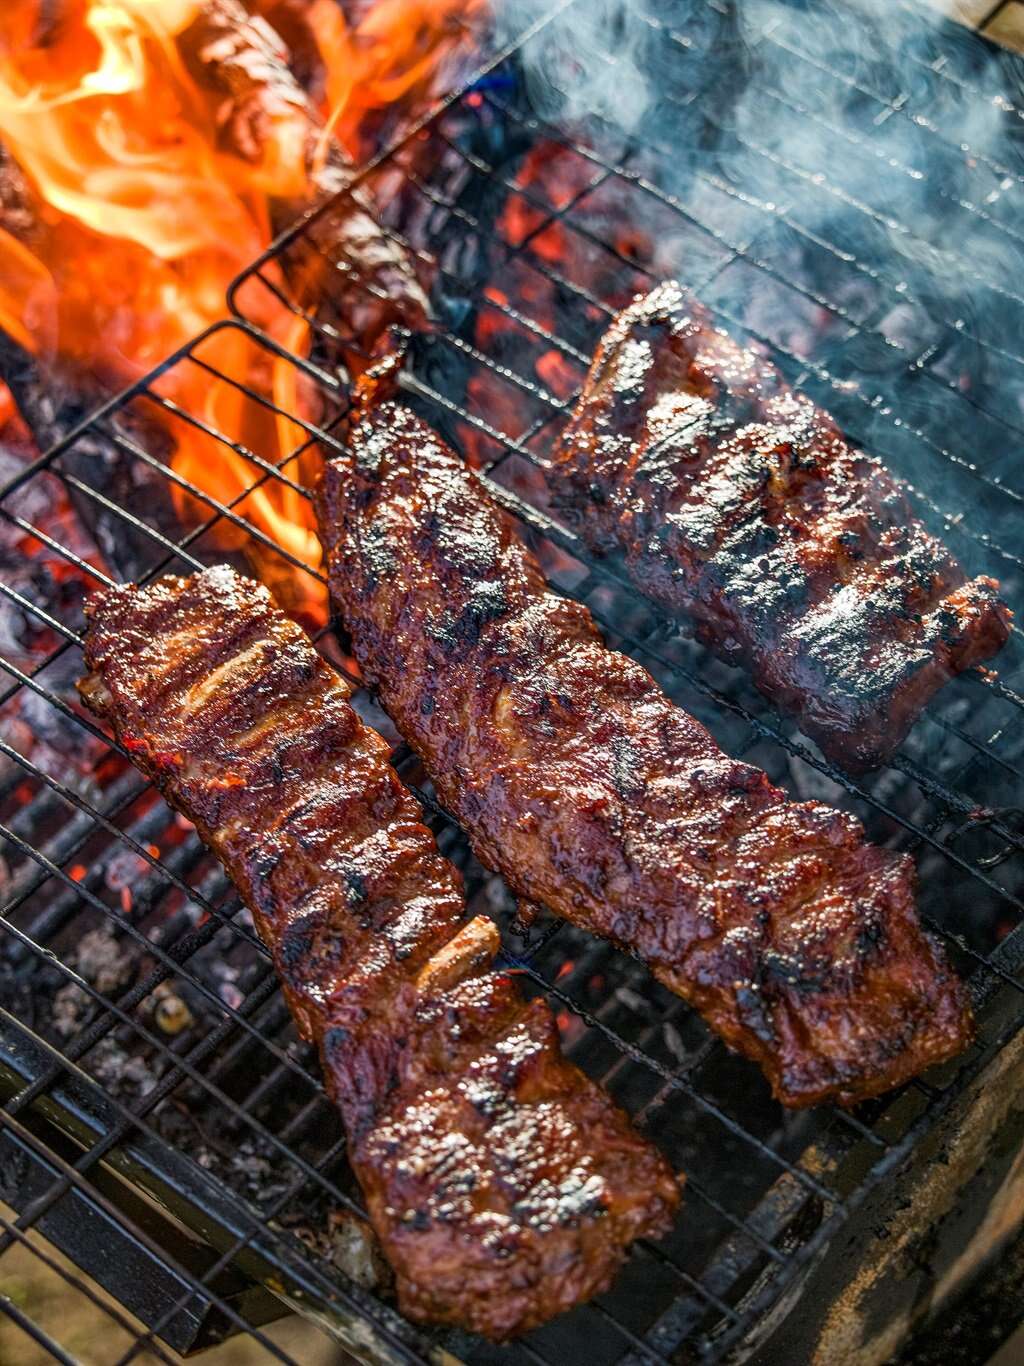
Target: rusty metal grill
point(527, 267)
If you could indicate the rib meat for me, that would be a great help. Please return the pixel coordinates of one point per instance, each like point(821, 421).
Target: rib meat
point(738, 501)
point(581, 782)
point(504, 1185)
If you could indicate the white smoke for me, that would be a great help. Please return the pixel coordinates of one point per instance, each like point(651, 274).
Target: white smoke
point(867, 150)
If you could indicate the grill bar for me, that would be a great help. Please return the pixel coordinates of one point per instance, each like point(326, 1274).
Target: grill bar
point(126, 1121)
point(72, 1177)
point(83, 1287)
point(804, 1165)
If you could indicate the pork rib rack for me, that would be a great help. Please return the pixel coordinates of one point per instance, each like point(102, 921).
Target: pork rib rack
point(580, 781)
point(739, 502)
point(503, 1184)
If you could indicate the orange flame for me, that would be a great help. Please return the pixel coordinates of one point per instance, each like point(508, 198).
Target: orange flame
point(395, 52)
point(142, 210)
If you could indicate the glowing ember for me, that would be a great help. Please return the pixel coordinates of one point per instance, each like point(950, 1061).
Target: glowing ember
point(162, 143)
point(552, 250)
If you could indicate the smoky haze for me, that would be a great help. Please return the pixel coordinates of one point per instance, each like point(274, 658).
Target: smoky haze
point(852, 177)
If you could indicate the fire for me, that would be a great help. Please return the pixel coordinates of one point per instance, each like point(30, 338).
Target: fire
point(373, 66)
point(162, 143)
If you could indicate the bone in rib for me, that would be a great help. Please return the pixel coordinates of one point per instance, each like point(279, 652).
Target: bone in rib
point(577, 778)
point(504, 1185)
point(739, 502)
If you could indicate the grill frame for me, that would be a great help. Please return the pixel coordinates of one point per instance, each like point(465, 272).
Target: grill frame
point(304, 1275)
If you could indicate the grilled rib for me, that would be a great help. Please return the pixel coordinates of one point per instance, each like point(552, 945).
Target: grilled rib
point(581, 782)
point(503, 1184)
point(739, 502)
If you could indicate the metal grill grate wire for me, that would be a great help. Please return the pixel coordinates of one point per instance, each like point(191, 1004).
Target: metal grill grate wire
point(720, 1311)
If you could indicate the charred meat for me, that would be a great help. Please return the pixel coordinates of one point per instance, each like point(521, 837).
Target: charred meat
point(739, 502)
point(581, 782)
point(504, 1185)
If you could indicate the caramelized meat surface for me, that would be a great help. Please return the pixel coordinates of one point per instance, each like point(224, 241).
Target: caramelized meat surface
point(739, 502)
point(578, 779)
point(503, 1184)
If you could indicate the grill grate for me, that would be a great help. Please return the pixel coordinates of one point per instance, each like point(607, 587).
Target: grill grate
point(528, 267)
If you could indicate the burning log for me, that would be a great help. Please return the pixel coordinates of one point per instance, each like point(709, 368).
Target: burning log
point(292, 21)
point(22, 236)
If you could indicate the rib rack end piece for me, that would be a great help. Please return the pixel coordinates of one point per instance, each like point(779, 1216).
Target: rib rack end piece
point(739, 503)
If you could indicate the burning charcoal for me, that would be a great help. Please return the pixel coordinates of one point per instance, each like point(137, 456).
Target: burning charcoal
point(35, 727)
point(106, 963)
point(250, 1163)
point(46, 723)
point(53, 403)
point(122, 1072)
point(255, 1167)
point(355, 1251)
point(231, 996)
point(226, 976)
point(125, 870)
